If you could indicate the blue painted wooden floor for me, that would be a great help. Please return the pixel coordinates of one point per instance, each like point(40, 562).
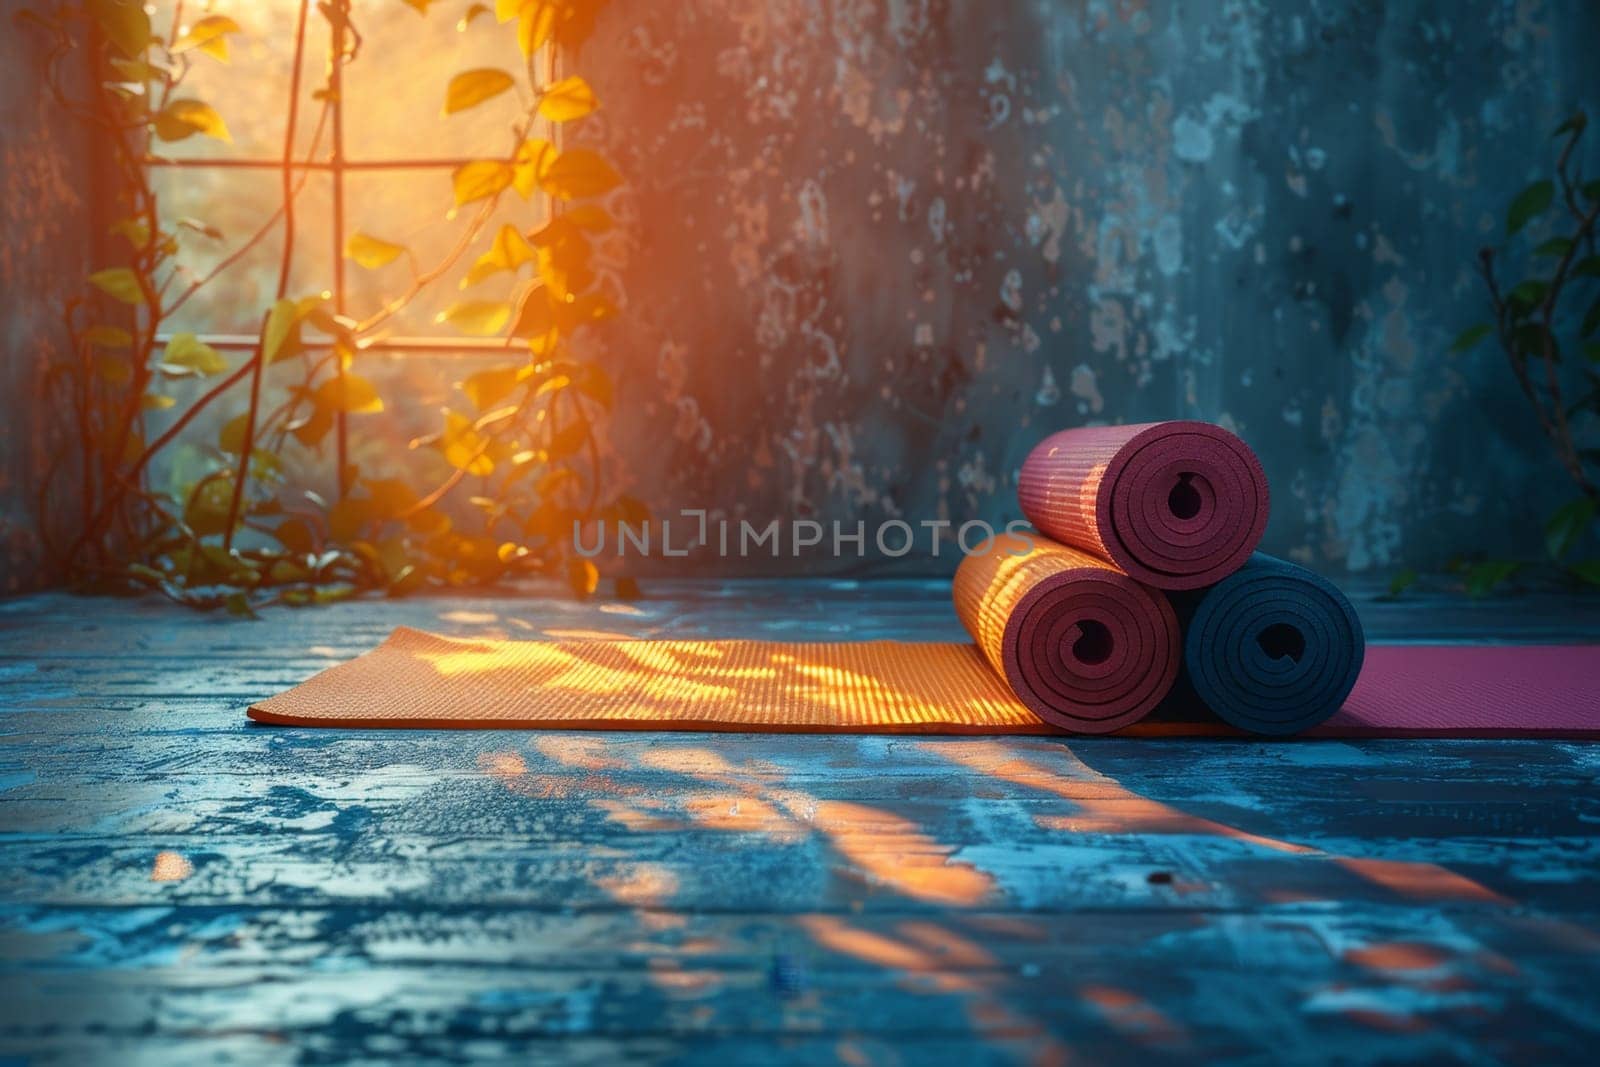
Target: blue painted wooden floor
point(177, 885)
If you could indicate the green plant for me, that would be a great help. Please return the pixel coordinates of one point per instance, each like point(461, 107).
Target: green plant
point(1552, 347)
point(241, 532)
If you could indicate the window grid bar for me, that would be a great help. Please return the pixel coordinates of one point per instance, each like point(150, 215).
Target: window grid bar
point(401, 345)
point(337, 165)
point(430, 163)
point(336, 86)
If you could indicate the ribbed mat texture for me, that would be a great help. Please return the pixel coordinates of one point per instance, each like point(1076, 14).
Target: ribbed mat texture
point(1080, 643)
point(1143, 593)
point(1273, 648)
point(416, 679)
point(1176, 505)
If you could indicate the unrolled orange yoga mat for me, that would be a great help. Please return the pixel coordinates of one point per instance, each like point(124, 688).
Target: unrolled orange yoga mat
point(420, 680)
point(1063, 640)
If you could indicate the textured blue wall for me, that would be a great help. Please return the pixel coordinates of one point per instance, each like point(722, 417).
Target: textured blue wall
point(878, 249)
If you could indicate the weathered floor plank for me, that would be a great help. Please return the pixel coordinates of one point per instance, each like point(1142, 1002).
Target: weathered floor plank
point(178, 885)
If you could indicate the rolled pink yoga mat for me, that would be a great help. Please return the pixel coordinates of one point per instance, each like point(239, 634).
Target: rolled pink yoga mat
point(1176, 505)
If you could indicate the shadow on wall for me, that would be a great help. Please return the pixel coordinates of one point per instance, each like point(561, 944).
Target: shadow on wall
point(881, 250)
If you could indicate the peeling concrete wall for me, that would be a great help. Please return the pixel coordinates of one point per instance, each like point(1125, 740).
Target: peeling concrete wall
point(46, 237)
point(880, 247)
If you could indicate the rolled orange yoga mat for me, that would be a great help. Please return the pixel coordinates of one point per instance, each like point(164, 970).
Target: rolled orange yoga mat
point(1176, 505)
point(1084, 646)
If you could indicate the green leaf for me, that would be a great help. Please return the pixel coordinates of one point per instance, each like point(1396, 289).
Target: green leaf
point(1588, 570)
point(1588, 267)
point(186, 353)
point(1529, 339)
point(238, 605)
point(184, 118)
point(1529, 204)
point(1591, 319)
point(1403, 579)
point(1591, 189)
point(1555, 247)
point(1567, 525)
point(1470, 337)
point(124, 23)
point(567, 100)
point(1574, 124)
point(1529, 294)
point(471, 88)
point(1482, 578)
point(119, 282)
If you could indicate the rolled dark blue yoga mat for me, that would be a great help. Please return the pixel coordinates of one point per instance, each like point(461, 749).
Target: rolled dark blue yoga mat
point(1272, 648)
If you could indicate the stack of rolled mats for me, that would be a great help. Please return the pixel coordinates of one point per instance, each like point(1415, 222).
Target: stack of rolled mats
point(1142, 594)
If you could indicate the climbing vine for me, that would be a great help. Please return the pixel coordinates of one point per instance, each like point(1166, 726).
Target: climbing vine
point(521, 444)
point(1547, 326)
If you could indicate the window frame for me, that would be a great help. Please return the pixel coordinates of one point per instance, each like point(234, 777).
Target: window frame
point(338, 166)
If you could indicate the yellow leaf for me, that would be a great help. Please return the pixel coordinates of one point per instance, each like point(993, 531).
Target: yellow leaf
point(135, 229)
point(157, 402)
point(509, 251)
point(472, 12)
point(479, 179)
point(583, 576)
point(488, 387)
point(107, 337)
point(390, 496)
point(114, 371)
point(231, 437)
point(590, 217)
point(464, 447)
point(577, 173)
point(506, 10)
point(534, 318)
point(184, 118)
point(209, 35)
point(120, 282)
point(124, 23)
point(535, 25)
point(483, 318)
point(281, 323)
point(187, 352)
point(471, 88)
point(371, 252)
point(532, 160)
point(566, 100)
point(350, 393)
